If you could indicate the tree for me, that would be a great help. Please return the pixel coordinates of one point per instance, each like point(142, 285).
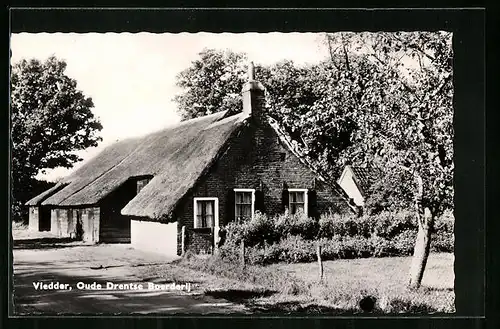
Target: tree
point(50, 120)
point(211, 84)
point(409, 128)
point(368, 106)
point(314, 110)
point(390, 192)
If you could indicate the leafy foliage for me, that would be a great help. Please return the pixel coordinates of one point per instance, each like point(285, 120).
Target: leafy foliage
point(352, 108)
point(269, 240)
point(51, 119)
point(416, 98)
point(211, 84)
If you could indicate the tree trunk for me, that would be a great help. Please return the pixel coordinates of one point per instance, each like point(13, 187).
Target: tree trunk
point(423, 242)
point(346, 59)
point(421, 251)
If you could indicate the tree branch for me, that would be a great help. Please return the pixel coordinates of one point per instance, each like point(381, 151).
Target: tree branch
point(346, 59)
point(415, 47)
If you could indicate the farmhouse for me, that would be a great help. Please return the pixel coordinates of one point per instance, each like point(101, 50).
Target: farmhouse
point(356, 182)
point(174, 188)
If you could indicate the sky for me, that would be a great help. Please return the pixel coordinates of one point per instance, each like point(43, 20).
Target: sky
point(131, 76)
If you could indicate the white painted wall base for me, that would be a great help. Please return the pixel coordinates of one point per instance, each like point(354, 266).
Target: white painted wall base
point(155, 237)
point(34, 218)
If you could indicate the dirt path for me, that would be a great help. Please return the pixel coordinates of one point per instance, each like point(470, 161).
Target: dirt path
point(70, 263)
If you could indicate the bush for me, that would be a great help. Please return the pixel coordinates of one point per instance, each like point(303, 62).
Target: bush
point(404, 243)
point(292, 238)
point(443, 242)
point(259, 230)
point(388, 224)
point(331, 225)
point(298, 224)
point(256, 231)
point(382, 247)
point(445, 223)
point(292, 249)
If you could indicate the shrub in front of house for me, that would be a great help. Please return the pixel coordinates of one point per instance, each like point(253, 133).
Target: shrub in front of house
point(404, 242)
point(297, 224)
point(385, 224)
point(293, 238)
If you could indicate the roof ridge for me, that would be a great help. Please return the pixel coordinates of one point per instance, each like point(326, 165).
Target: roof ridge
point(305, 159)
point(46, 194)
point(99, 176)
point(131, 153)
point(219, 149)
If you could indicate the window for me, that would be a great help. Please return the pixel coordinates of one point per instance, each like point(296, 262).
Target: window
point(244, 203)
point(206, 212)
point(141, 182)
point(297, 200)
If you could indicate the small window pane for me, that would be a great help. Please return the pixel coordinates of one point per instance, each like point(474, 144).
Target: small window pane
point(205, 212)
point(243, 205)
point(297, 201)
point(247, 197)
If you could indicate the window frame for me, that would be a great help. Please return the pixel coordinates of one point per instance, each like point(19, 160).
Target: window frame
point(247, 190)
point(143, 182)
point(306, 201)
point(195, 211)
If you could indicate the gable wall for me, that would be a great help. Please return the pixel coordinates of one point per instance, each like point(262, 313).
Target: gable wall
point(252, 158)
point(351, 188)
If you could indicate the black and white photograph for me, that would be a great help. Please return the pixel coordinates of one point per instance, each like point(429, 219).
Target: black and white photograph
point(232, 173)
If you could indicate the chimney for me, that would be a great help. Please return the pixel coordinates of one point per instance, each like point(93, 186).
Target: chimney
point(253, 97)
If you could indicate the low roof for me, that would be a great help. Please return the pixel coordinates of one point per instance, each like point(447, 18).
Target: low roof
point(37, 200)
point(174, 156)
point(364, 177)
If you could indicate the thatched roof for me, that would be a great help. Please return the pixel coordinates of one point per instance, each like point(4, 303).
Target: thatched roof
point(43, 196)
point(172, 156)
point(177, 157)
point(182, 169)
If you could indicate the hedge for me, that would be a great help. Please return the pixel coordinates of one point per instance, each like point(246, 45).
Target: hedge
point(293, 238)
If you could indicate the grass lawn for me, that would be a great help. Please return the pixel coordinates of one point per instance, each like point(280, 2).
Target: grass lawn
point(385, 273)
point(348, 284)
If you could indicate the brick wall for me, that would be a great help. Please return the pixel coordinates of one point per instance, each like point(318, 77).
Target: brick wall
point(199, 241)
point(255, 159)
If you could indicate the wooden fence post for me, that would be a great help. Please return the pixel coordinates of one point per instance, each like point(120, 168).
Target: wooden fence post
point(242, 254)
point(183, 240)
point(320, 262)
